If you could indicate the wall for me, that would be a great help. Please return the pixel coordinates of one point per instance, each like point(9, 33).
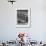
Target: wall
point(8, 28)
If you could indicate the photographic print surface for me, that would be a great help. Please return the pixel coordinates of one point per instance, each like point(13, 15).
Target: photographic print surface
point(23, 17)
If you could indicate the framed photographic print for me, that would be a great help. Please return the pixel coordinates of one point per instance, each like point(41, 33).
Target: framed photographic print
point(23, 17)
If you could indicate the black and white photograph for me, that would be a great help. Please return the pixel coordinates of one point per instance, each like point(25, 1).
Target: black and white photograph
point(23, 17)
